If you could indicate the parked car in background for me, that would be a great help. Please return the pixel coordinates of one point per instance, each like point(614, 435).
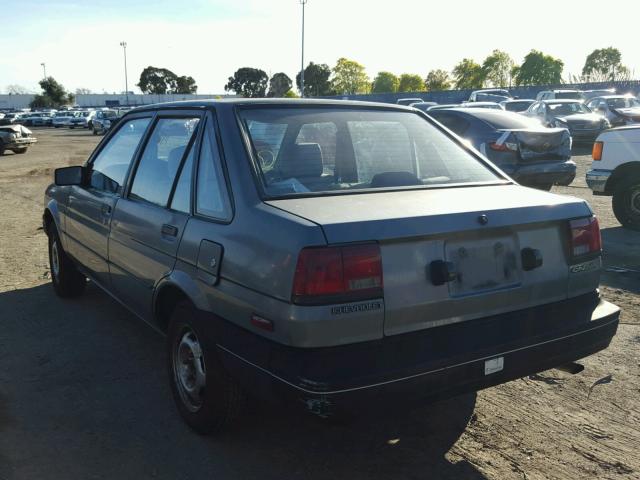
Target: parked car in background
point(489, 105)
point(495, 95)
point(37, 119)
point(424, 106)
point(573, 115)
point(62, 118)
point(11, 118)
point(617, 109)
point(530, 153)
point(103, 120)
point(377, 263)
point(408, 101)
point(615, 172)
point(16, 138)
point(559, 94)
point(444, 106)
point(84, 119)
point(518, 106)
point(589, 94)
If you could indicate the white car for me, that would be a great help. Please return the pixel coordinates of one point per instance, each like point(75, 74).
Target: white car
point(84, 119)
point(615, 172)
point(63, 119)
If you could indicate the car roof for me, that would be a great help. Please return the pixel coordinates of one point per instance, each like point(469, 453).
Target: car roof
point(561, 100)
point(228, 102)
point(485, 90)
point(516, 100)
point(606, 97)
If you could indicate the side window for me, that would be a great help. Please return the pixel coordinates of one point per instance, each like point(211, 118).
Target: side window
point(181, 200)
point(212, 198)
point(161, 159)
point(109, 168)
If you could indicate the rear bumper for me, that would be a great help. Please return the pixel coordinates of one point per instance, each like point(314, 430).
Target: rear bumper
point(417, 367)
point(555, 173)
point(20, 143)
point(585, 135)
point(597, 180)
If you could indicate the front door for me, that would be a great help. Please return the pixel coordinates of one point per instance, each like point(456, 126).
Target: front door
point(147, 224)
point(90, 208)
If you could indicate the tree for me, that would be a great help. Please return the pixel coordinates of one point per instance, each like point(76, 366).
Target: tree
point(385, 82)
point(279, 84)
point(248, 82)
point(411, 82)
point(14, 89)
point(83, 91)
point(291, 94)
point(497, 68)
point(185, 84)
point(316, 80)
point(604, 64)
point(438, 80)
point(468, 75)
point(349, 77)
point(53, 95)
point(538, 69)
point(157, 80)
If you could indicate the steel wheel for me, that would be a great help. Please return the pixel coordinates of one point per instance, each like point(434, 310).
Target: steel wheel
point(189, 370)
point(55, 261)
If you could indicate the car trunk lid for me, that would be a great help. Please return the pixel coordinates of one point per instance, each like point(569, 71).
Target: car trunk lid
point(549, 144)
point(481, 240)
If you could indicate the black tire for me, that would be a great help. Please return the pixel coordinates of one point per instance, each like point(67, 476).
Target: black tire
point(20, 151)
point(67, 280)
point(1, 148)
point(95, 132)
point(216, 404)
point(626, 204)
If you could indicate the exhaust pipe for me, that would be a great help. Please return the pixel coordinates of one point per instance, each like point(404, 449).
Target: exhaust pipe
point(572, 368)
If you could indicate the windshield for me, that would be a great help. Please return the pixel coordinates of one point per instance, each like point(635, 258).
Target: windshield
point(304, 150)
point(623, 102)
point(516, 106)
point(573, 95)
point(569, 108)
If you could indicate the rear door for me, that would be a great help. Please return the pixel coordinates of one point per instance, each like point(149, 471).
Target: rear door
point(146, 230)
point(90, 208)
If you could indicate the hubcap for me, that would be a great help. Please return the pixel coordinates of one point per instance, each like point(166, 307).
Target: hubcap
point(635, 200)
point(189, 370)
point(55, 259)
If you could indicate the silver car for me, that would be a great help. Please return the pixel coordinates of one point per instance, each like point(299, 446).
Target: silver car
point(331, 255)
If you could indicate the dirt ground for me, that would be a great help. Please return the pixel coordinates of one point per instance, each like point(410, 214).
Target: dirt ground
point(83, 392)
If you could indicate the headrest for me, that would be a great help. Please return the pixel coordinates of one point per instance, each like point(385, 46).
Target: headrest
point(302, 160)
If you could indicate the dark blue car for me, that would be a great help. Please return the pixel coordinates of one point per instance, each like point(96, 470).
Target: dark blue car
point(530, 153)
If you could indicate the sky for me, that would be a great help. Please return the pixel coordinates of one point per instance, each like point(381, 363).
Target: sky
point(79, 40)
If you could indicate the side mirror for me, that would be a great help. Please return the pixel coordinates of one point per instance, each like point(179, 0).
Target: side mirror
point(69, 176)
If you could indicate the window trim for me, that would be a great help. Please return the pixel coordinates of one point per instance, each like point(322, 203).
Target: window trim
point(501, 179)
point(211, 119)
point(158, 115)
point(107, 138)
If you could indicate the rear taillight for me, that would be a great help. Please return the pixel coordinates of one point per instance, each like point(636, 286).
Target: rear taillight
point(585, 238)
point(337, 274)
point(596, 153)
point(503, 147)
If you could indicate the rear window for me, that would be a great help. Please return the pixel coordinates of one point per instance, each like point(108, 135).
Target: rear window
point(299, 151)
point(573, 95)
point(517, 106)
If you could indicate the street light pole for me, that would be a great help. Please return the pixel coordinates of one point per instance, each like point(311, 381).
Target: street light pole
point(303, 3)
point(126, 82)
point(44, 70)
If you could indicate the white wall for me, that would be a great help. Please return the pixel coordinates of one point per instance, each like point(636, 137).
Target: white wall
point(100, 99)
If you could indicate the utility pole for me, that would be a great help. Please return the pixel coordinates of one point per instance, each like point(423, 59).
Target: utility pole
point(303, 3)
point(44, 70)
point(126, 82)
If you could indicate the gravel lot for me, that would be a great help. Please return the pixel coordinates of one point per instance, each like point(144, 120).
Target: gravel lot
point(83, 392)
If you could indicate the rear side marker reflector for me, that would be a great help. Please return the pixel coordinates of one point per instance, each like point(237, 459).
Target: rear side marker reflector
point(262, 323)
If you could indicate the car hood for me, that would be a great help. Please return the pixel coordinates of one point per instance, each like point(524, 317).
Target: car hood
point(580, 117)
point(433, 211)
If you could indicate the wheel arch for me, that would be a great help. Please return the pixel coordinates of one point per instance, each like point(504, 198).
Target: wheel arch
point(171, 290)
point(621, 174)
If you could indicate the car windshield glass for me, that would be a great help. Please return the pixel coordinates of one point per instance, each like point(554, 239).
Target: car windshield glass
point(568, 108)
point(573, 95)
point(328, 149)
point(517, 106)
point(626, 102)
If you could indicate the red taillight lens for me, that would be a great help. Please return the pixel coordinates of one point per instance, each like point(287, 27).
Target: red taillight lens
point(498, 147)
point(596, 152)
point(585, 237)
point(338, 274)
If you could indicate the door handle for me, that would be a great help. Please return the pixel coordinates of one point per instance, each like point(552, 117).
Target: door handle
point(106, 209)
point(169, 230)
